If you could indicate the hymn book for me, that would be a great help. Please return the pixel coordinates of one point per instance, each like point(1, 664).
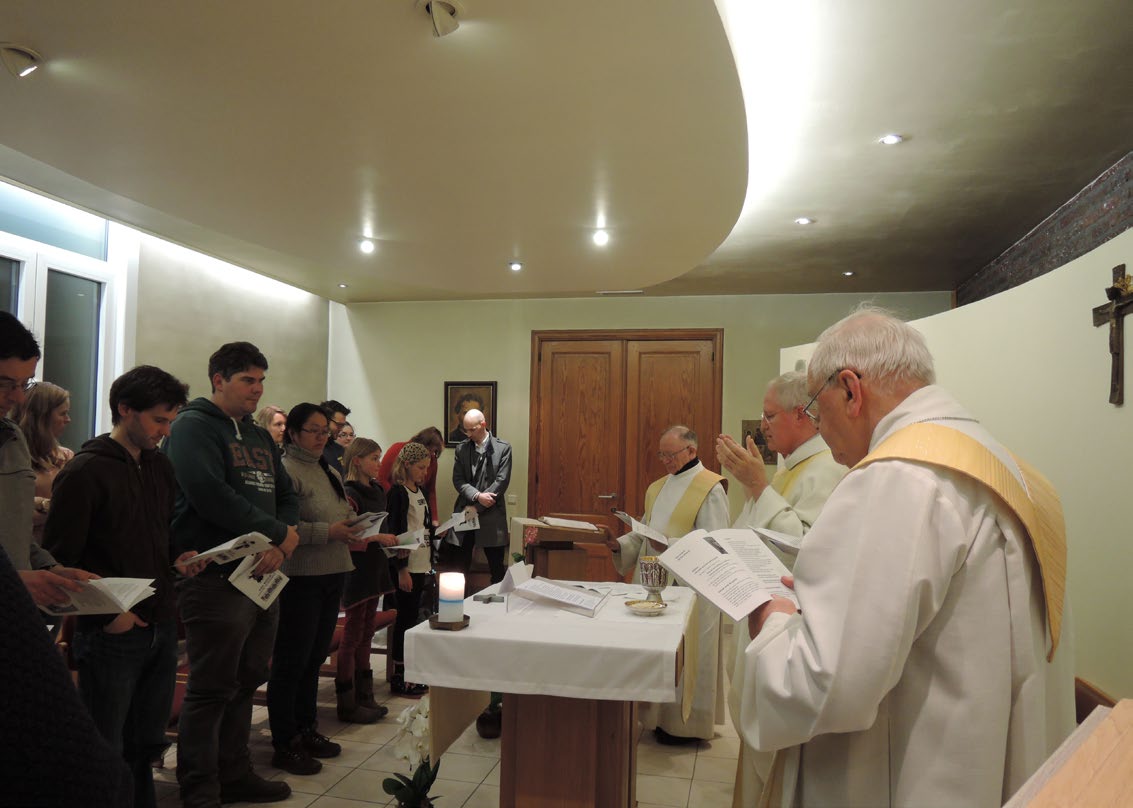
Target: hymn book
point(733, 569)
point(105, 596)
point(562, 596)
point(574, 524)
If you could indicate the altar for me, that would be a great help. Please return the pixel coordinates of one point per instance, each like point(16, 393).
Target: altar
point(571, 684)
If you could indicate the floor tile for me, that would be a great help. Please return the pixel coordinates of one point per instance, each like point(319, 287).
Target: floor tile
point(379, 733)
point(314, 784)
point(706, 794)
point(493, 778)
point(667, 761)
point(354, 753)
point(717, 770)
point(720, 747)
point(484, 797)
point(454, 793)
point(339, 802)
point(669, 791)
point(362, 785)
point(465, 768)
point(386, 759)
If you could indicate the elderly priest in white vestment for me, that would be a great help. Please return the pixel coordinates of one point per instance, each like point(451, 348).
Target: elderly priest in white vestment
point(689, 497)
point(930, 664)
point(789, 503)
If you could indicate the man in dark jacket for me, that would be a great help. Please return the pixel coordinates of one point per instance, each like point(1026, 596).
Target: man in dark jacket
point(112, 508)
point(481, 473)
point(231, 482)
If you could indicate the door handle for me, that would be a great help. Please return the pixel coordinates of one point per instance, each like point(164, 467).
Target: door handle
point(607, 496)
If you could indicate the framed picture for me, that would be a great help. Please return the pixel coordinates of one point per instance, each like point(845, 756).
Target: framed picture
point(460, 397)
point(752, 428)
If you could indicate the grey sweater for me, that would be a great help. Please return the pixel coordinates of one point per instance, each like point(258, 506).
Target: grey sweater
point(321, 503)
point(17, 495)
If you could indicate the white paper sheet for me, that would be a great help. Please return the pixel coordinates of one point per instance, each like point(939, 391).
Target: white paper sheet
point(642, 529)
point(263, 590)
point(239, 547)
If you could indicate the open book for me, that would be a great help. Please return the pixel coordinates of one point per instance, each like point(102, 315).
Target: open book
point(554, 521)
point(105, 596)
point(641, 529)
point(560, 595)
point(733, 569)
point(246, 545)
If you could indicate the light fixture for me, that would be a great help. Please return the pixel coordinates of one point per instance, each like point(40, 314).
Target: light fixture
point(342, 286)
point(19, 60)
point(515, 266)
point(891, 139)
point(804, 220)
point(849, 273)
point(443, 14)
point(366, 246)
point(601, 238)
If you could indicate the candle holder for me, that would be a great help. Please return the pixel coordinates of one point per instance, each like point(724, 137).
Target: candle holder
point(437, 624)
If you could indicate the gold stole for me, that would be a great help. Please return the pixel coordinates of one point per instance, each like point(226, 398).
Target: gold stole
point(785, 478)
point(682, 521)
point(683, 518)
point(1037, 506)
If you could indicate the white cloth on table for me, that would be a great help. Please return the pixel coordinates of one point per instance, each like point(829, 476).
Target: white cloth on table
point(916, 674)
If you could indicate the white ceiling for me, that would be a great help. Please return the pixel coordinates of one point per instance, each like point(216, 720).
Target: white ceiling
point(275, 134)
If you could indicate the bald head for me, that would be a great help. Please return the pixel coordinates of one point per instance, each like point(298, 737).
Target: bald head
point(475, 425)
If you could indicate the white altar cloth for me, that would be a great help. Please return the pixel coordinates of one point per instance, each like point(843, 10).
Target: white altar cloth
point(535, 650)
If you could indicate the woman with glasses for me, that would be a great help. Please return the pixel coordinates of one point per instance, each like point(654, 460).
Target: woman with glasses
point(42, 417)
point(308, 605)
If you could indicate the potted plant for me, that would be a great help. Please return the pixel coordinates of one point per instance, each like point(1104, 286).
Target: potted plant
point(412, 744)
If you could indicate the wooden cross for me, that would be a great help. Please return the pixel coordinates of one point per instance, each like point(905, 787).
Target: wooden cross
point(1120, 303)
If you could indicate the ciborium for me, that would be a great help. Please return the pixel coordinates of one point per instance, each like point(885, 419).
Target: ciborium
point(654, 578)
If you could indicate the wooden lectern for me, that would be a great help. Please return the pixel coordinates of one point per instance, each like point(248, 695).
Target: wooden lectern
point(566, 554)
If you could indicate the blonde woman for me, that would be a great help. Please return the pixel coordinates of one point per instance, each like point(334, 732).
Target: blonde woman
point(43, 415)
point(274, 420)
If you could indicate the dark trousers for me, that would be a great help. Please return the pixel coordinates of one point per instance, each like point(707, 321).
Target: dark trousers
point(126, 682)
point(495, 555)
point(408, 615)
point(308, 611)
point(229, 640)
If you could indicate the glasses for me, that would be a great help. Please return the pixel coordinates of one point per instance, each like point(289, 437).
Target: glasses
point(768, 416)
point(316, 432)
point(663, 456)
point(10, 385)
point(807, 409)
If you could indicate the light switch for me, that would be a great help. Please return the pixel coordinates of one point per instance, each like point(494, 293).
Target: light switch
point(512, 499)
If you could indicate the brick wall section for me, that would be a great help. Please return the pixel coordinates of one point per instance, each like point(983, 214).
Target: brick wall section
point(1100, 211)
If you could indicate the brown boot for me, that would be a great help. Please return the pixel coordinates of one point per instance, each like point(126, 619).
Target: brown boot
point(352, 712)
point(364, 690)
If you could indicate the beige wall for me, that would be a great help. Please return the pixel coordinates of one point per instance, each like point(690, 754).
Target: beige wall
point(1030, 364)
point(188, 305)
point(389, 360)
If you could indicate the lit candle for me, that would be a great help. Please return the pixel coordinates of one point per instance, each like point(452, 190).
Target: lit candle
point(452, 597)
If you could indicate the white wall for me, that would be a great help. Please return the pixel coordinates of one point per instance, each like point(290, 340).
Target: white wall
point(1031, 366)
point(189, 304)
point(389, 360)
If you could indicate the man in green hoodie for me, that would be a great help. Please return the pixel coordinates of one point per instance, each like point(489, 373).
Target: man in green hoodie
point(231, 483)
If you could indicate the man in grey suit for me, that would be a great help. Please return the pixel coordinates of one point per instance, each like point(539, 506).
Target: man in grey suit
point(481, 473)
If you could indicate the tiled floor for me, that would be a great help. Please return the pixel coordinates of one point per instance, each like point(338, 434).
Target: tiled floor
point(684, 776)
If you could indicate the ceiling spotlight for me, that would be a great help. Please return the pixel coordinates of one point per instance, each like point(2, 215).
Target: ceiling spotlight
point(804, 220)
point(514, 266)
point(601, 238)
point(366, 246)
point(890, 140)
point(19, 60)
point(443, 14)
point(849, 273)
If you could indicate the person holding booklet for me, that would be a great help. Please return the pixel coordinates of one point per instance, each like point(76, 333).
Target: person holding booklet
point(930, 663)
point(231, 482)
point(788, 503)
point(689, 497)
point(408, 511)
point(113, 507)
point(365, 585)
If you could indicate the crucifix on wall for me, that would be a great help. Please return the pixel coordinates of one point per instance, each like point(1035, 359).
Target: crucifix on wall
point(1120, 303)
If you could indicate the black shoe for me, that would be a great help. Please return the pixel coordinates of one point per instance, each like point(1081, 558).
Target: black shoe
point(319, 746)
point(489, 724)
point(409, 690)
point(253, 788)
point(671, 740)
point(294, 758)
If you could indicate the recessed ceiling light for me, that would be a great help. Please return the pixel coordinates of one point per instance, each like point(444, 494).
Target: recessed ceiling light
point(366, 246)
point(20, 60)
point(515, 266)
point(891, 139)
point(848, 273)
point(342, 286)
point(804, 220)
point(601, 238)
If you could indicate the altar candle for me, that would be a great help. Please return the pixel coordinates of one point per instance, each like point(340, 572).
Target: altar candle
point(452, 597)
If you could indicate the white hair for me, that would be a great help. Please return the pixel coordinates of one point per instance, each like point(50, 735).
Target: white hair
point(878, 345)
point(682, 432)
point(789, 389)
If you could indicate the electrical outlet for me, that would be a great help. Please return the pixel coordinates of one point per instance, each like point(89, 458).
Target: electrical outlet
point(512, 499)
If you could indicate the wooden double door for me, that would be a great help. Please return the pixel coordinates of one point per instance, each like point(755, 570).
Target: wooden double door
point(599, 402)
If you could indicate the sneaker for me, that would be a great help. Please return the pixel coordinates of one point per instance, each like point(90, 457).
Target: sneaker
point(253, 788)
point(319, 746)
point(295, 758)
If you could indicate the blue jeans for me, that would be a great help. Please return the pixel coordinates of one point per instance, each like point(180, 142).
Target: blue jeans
point(308, 611)
point(126, 682)
point(229, 640)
